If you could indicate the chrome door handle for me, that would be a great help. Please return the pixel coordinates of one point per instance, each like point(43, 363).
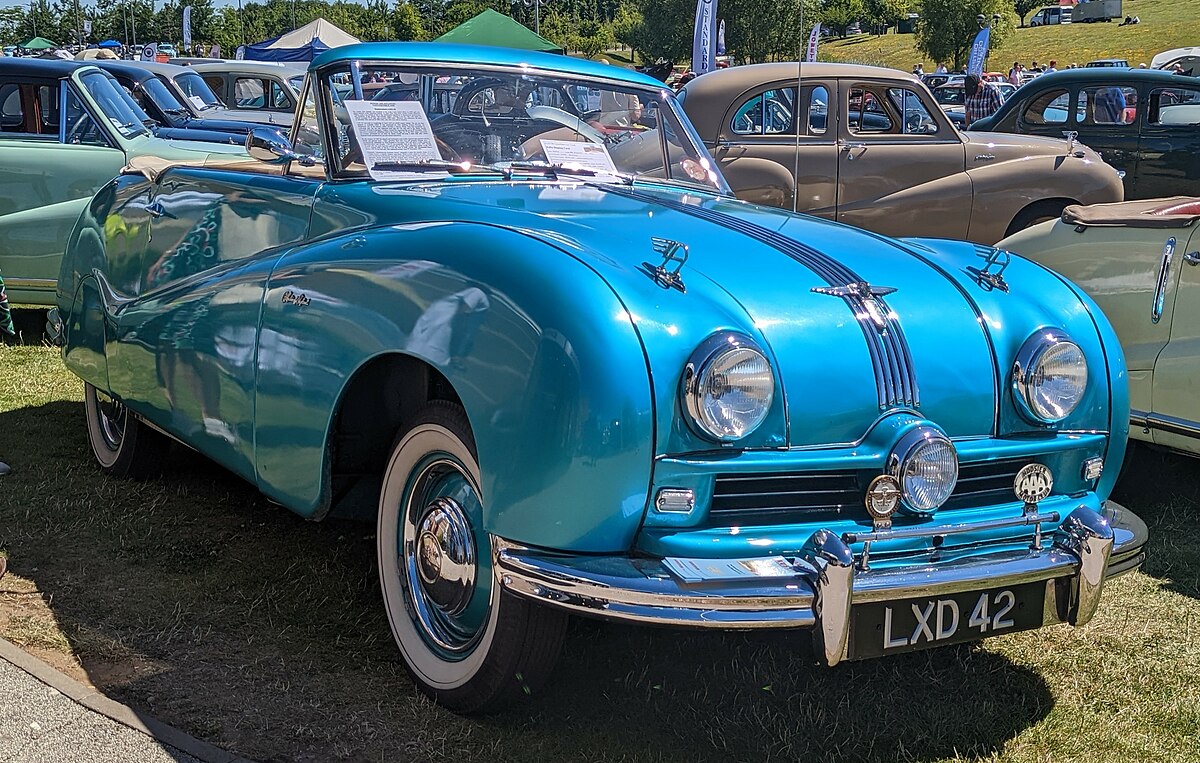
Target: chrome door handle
point(1160, 289)
point(1192, 258)
point(849, 148)
point(156, 210)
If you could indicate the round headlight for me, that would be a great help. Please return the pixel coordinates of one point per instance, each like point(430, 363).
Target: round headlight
point(728, 387)
point(1049, 377)
point(926, 464)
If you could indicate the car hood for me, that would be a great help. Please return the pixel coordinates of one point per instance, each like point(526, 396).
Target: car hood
point(745, 272)
point(1008, 146)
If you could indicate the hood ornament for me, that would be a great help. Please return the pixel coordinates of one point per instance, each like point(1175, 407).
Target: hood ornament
point(666, 274)
point(876, 310)
point(988, 279)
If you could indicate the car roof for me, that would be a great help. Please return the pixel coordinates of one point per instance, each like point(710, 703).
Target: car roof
point(43, 67)
point(257, 67)
point(713, 91)
point(436, 52)
point(127, 68)
point(1106, 73)
point(169, 70)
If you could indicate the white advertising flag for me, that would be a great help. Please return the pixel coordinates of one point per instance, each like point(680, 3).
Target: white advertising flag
point(149, 52)
point(813, 38)
point(187, 26)
point(704, 37)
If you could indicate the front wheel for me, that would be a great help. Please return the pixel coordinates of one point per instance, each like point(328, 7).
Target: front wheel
point(467, 643)
point(123, 445)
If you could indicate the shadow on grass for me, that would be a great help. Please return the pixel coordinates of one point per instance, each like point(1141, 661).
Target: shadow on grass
point(193, 599)
point(1163, 488)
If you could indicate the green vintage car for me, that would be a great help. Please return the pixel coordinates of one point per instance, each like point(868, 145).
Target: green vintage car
point(65, 131)
point(1138, 261)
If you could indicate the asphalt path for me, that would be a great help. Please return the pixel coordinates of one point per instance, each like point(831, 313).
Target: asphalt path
point(46, 716)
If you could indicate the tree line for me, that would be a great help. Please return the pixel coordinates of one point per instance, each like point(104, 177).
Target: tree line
point(756, 30)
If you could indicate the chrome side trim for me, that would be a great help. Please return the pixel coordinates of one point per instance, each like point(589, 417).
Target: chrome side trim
point(31, 283)
point(1163, 423)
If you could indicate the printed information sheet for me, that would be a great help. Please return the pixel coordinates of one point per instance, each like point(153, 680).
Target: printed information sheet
point(571, 153)
point(392, 131)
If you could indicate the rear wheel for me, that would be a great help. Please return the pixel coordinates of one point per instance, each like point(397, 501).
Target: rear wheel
point(466, 642)
point(123, 445)
point(1037, 212)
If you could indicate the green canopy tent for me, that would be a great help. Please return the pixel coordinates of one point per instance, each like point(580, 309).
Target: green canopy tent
point(38, 43)
point(496, 29)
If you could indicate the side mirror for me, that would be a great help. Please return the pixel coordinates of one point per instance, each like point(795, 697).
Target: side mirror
point(269, 145)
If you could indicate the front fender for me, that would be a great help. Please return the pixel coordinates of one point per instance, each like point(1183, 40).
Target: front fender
point(1003, 190)
point(543, 355)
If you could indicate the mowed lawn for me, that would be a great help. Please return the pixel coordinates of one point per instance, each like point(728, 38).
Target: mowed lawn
point(195, 600)
point(1165, 24)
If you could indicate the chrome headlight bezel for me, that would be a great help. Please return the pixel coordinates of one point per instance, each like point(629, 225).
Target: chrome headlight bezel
point(695, 374)
point(1026, 369)
point(903, 455)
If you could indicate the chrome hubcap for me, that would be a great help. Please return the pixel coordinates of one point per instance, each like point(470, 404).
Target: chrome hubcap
point(446, 556)
point(112, 420)
point(447, 594)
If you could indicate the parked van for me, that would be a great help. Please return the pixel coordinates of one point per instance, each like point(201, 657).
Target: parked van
point(1055, 14)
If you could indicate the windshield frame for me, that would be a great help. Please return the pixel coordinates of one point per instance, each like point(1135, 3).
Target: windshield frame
point(126, 126)
point(328, 97)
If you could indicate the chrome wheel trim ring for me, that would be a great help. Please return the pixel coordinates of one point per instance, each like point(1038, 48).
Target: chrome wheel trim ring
point(428, 665)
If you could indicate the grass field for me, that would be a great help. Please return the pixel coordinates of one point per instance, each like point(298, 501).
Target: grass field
point(195, 600)
point(1165, 24)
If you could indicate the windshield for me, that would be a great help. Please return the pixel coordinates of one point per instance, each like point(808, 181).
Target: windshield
point(117, 106)
point(197, 91)
point(409, 118)
point(162, 96)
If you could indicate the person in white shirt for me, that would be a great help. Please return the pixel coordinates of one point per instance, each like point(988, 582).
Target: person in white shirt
point(941, 69)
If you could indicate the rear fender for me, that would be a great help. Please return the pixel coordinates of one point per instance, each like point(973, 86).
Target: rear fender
point(537, 346)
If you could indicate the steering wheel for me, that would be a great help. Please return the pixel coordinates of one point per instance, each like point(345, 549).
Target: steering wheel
point(551, 114)
point(76, 132)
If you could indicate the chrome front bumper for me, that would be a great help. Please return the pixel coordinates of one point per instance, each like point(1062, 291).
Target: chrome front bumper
point(1086, 549)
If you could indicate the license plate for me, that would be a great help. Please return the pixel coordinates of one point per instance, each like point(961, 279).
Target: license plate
point(890, 627)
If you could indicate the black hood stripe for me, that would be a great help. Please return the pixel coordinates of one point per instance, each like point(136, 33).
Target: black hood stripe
point(891, 357)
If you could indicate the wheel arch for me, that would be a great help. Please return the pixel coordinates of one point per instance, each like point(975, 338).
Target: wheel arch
point(528, 338)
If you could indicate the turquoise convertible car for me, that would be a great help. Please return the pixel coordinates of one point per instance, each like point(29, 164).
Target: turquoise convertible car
point(518, 315)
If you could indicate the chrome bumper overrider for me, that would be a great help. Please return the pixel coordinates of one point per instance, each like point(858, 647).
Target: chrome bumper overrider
point(1086, 549)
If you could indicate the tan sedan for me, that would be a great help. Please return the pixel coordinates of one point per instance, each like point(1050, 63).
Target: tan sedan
point(874, 150)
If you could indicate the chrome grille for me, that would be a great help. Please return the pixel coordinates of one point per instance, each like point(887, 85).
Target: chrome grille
point(800, 497)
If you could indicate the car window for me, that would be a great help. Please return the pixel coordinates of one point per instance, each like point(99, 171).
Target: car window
point(279, 97)
point(306, 133)
point(768, 113)
point(917, 119)
point(81, 128)
point(249, 93)
point(47, 98)
point(867, 114)
point(818, 110)
point(12, 114)
point(1049, 108)
point(1174, 106)
point(1106, 105)
point(216, 83)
